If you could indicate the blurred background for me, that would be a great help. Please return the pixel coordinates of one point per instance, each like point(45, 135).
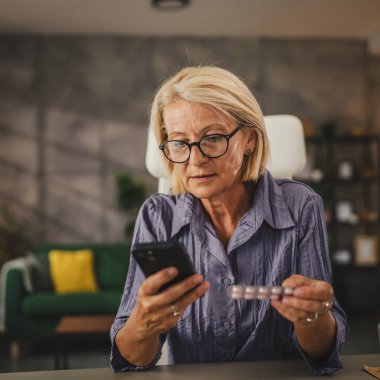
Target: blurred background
point(76, 81)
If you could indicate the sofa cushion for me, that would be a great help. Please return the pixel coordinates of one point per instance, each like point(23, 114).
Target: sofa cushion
point(49, 304)
point(111, 261)
point(111, 266)
point(73, 271)
point(39, 273)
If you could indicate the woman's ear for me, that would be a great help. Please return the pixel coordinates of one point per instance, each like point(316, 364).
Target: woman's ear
point(251, 142)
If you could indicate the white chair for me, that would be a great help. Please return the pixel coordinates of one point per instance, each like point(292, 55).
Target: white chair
point(287, 150)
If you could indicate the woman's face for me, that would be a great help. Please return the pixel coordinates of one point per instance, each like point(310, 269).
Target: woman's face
point(202, 176)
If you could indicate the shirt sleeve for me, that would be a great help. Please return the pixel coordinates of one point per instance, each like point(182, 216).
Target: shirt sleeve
point(147, 229)
point(314, 262)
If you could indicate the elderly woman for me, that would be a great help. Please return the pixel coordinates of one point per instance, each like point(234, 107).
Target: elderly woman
point(239, 225)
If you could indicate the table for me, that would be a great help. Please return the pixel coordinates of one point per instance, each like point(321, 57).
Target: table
point(275, 370)
point(72, 329)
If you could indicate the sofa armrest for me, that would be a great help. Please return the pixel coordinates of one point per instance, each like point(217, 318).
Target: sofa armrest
point(14, 291)
point(18, 325)
point(14, 276)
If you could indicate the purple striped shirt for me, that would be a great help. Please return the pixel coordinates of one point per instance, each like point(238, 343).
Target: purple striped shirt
point(283, 233)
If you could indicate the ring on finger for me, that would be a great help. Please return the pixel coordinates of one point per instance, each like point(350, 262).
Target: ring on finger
point(310, 320)
point(176, 313)
point(326, 307)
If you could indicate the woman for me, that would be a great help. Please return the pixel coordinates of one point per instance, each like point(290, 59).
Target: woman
point(239, 225)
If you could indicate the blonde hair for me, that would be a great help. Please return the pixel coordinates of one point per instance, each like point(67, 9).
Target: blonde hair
point(226, 93)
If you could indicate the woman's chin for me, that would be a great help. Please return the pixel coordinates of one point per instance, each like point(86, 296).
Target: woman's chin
point(204, 192)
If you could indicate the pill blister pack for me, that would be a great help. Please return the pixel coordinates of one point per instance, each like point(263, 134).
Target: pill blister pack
point(250, 292)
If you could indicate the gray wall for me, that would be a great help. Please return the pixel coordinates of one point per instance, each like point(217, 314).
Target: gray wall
point(74, 110)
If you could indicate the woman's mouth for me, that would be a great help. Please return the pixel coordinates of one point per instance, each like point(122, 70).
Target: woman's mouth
point(203, 178)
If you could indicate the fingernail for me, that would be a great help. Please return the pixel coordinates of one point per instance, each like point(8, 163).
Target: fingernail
point(198, 279)
point(172, 271)
point(289, 290)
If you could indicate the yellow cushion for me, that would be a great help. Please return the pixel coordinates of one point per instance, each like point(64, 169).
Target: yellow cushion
point(72, 271)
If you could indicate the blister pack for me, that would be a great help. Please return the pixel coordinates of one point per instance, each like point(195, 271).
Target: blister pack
point(250, 292)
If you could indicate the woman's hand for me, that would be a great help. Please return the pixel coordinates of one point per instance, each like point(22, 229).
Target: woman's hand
point(311, 299)
point(157, 312)
point(309, 310)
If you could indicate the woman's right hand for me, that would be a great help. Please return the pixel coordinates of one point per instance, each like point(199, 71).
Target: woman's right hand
point(154, 310)
point(138, 339)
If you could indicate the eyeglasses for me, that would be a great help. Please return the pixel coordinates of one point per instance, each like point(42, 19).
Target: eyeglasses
point(211, 146)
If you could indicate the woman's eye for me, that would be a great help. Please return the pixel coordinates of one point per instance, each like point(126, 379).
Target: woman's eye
point(213, 139)
point(178, 145)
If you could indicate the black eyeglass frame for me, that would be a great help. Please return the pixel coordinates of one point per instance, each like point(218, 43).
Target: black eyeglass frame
point(198, 144)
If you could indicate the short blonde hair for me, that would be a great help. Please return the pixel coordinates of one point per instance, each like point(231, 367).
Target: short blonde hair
point(226, 93)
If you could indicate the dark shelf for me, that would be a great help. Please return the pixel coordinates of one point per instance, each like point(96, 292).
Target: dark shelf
point(363, 191)
point(338, 181)
point(356, 287)
point(343, 139)
point(358, 224)
point(352, 266)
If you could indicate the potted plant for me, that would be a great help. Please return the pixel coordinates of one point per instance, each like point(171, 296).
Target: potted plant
point(131, 195)
point(18, 235)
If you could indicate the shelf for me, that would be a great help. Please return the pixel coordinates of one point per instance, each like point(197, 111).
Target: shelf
point(360, 223)
point(338, 181)
point(343, 139)
point(363, 192)
point(354, 267)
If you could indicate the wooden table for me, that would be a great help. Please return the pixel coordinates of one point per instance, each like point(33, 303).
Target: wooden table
point(264, 370)
point(72, 329)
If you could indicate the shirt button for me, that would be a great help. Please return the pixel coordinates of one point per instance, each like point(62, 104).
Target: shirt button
point(227, 324)
point(226, 281)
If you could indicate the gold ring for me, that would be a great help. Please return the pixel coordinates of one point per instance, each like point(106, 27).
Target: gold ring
point(312, 319)
point(175, 311)
point(326, 307)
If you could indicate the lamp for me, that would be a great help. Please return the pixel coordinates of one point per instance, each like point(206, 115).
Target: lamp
point(170, 4)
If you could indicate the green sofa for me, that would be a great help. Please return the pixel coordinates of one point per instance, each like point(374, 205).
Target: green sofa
point(34, 313)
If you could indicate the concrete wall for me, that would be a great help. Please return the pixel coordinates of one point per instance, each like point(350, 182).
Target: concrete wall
point(74, 110)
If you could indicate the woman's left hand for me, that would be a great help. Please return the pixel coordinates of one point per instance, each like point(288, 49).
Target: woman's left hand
point(311, 299)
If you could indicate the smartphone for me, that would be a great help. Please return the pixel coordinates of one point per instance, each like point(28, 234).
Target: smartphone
point(152, 257)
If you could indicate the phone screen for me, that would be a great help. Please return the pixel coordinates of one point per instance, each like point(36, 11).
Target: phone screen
point(152, 257)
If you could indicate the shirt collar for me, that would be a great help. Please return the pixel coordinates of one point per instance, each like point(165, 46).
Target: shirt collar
point(188, 210)
point(268, 204)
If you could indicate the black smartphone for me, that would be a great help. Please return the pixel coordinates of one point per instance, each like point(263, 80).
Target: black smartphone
point(152, 257)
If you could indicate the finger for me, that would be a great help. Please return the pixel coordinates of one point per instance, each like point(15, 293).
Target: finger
point(186, 300)
point(161, 320)
point(295, 280)
point(293, 315)
point(309, 288)
point(318, 290)
point(153, 283)
point(179, 305)
point(310, 306)
point(178, 290)
point(153, 318)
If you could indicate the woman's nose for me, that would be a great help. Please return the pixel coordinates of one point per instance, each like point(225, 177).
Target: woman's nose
point(196, 156)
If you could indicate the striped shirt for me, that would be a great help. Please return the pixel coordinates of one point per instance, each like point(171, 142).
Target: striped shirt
point(283, 233)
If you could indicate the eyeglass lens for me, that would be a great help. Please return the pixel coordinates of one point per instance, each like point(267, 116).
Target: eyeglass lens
point(211, 146)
